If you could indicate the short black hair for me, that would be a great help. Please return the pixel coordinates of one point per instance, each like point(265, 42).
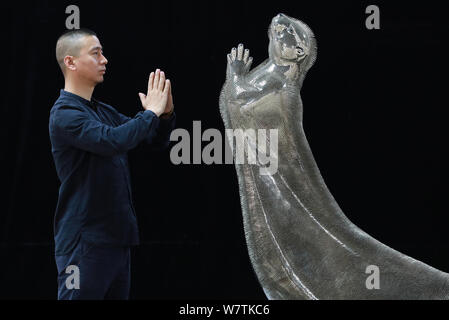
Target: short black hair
point(69, 44)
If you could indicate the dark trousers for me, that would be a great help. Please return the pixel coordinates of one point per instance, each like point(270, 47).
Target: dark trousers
point(94, 272)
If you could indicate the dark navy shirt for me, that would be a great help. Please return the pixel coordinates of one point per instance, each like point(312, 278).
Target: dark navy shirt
point(89, 142)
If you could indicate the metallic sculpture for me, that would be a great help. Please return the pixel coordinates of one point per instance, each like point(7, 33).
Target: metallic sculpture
point(300, 243)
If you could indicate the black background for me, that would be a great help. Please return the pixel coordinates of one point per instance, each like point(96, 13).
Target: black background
point(374, 114)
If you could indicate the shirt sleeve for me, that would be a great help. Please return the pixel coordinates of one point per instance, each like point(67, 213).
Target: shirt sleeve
point(75, 126)
point(161, 140)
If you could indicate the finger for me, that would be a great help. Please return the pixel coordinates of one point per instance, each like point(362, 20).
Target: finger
point(250, 61)
point(150, 82)
point(240, 52)
point(161, 81)
point(233, 53)
point(142, 97)
point(167, 86)
point(229, 58)
point(245, 56)
point(168, 89)
point(156, 79)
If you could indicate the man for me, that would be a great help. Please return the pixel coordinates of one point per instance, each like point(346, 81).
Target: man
point(95, 223)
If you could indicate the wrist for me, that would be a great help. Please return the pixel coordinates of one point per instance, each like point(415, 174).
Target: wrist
point(167, 115)
point(157, 113)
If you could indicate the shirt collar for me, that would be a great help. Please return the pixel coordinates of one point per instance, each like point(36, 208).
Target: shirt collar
point(92, 103)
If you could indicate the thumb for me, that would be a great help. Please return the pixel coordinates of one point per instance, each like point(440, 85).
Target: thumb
point(142, 97)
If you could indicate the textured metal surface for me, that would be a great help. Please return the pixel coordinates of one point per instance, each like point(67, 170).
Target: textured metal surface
point(301, 244)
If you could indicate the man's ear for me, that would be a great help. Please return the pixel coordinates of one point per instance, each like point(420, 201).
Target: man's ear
point(69, 63)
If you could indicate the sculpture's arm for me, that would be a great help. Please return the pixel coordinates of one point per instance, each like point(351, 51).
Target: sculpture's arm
point(239, 63)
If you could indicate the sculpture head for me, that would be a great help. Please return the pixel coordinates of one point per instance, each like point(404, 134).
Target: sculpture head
point(291, 41)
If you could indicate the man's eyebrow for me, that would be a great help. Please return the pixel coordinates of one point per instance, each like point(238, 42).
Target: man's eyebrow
point(96, 48)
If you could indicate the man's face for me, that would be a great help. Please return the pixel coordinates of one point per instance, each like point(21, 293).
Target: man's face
point(91, 63)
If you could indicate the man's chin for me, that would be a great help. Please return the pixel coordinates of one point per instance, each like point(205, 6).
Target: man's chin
point(100, 80)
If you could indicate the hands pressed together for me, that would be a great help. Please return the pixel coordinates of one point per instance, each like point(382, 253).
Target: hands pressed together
point(159, 98)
